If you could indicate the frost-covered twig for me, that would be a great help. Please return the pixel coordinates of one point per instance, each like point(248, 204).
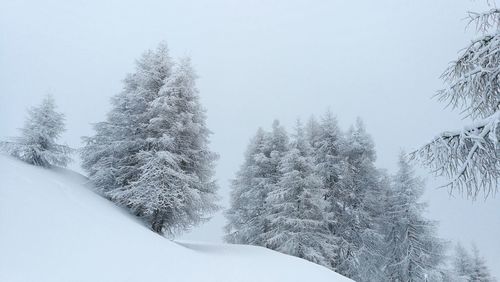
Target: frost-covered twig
point(468, 158)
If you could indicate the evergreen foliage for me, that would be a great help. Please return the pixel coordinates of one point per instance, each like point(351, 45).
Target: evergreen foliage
point(37, 143)
point(151, 155)
point(320, 197)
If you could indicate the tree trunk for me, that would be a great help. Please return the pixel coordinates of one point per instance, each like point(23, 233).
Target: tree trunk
point(157, 224)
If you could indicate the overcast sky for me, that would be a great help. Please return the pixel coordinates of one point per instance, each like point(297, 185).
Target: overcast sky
point(257, 61)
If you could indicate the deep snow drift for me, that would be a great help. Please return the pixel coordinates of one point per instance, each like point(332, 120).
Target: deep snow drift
point(53, 228)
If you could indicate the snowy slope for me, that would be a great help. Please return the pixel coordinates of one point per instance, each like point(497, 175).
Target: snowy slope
point(53, 228)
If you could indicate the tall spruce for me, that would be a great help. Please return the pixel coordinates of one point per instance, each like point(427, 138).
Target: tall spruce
point(327, 146)
point(328, 143)
point(248, 214)
point(248, 192)
point(413, 251)
point(152, 154)
point(362, 191)
point(110, 156)
point(296, 204)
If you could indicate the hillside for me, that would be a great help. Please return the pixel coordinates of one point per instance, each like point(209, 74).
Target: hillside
point(54, 228)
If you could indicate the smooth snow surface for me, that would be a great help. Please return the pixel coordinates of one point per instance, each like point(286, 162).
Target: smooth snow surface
point(54, 228)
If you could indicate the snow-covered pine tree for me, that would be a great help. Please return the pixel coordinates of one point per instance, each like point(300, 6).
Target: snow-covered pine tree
point(462, 263)
point(313, 131)
point(296, 220)
point(175, 189)
point(277, 147)
point(373, 260)
point(470, 268)
point(327, 153)
point(346, 207)
point(469, 157)
point(159, 195)
point(37, 143)
point(479, 270)
point(413, 251)
point(248, 192)
point(247, 216)
point(110, 157)
point(327, 144)
point(191, 137)
point(359, 222)
point(152, 153)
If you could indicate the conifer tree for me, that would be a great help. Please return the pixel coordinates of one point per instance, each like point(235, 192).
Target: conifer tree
point(152, 154)
point(413, 252)
point(37, 143)
point(257, 177)
point(321, 198)
point(462, 263)
point(479, 270)
point(111, 156)
point(248, 194)
point(359, 219)
point(297, 224)
point(328, 153)
point(328, 143)
point(276, 148)
point(470, 268)
point(313, 132)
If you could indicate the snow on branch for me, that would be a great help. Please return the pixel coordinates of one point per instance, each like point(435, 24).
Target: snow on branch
point(469, 158)
point(472, 80)
point(486, 20)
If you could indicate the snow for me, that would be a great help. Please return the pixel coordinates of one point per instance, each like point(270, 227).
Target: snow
point(54, 228)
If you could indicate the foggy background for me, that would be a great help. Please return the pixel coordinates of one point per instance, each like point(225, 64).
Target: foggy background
point(257, 61)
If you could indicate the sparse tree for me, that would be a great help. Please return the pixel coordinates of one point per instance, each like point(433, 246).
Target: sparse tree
point(470, 268)
point(479, 271)
point(37, 143)
point(462, 263)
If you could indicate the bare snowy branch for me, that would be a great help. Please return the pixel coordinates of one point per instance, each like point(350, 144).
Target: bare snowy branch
point(469, 158)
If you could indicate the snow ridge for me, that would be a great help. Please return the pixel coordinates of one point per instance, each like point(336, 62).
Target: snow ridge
point(54, 228)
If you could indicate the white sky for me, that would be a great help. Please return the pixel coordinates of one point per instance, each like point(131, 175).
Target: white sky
point(257, 61)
